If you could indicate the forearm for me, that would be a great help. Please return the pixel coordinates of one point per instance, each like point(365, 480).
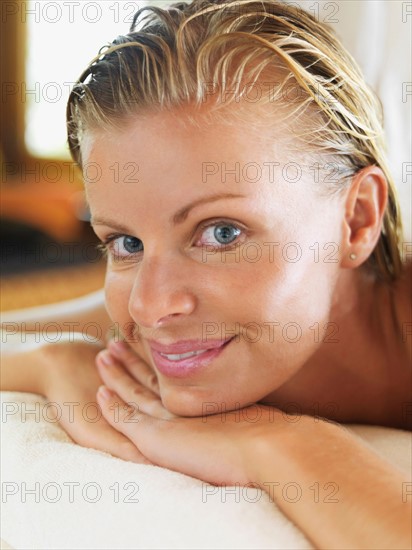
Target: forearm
point(27, 367)
point(23, 372)
point(340, 493)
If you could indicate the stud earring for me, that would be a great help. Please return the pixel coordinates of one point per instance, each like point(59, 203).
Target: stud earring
point(352, 256)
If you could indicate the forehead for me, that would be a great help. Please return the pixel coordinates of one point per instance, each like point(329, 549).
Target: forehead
point(163, 158)
point(154, 166)
point(167, 154)
point(192, 138)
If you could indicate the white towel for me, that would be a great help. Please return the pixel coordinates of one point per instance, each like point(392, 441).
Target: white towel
point(57, 494)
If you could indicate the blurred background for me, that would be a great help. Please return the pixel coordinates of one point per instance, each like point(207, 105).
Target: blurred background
point(47, 248)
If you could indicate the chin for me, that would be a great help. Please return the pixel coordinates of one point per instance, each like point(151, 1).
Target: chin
point(192, 401)
point(181, 402)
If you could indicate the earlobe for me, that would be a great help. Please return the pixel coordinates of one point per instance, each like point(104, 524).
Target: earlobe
point(365, 206)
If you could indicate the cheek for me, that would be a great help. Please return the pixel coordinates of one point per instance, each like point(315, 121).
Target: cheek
point(286, 310)
point(299, 291)
point(294, 282)
point(118, 288)
point(296, 285)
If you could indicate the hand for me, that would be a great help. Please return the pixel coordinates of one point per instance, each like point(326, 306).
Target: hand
point(134, 361)
point(218, 448)
point(71, 382)
point(267, 451)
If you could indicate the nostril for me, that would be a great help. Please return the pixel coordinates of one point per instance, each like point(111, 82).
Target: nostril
point(167, 318)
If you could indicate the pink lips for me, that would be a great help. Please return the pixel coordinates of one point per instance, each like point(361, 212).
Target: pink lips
point(186, 366)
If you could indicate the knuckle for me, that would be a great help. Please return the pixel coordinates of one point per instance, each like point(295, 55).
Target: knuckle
point(138, 390)
point(129, 408)
point(152, 381)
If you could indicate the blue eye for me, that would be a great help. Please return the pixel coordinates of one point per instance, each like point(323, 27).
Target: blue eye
point(220, 235)
point(123, 246)
point(226, 233)
point(223, 233)
point(132, 245)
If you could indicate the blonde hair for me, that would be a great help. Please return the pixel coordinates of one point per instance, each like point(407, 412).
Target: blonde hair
point(179, 55)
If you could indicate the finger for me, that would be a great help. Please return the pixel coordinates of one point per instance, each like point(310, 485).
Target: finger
point(108, 440)
point(122, 416)
point(100, 435)
point(147, 432)
point(130, 390)
point(171, 444)
point(137, 367)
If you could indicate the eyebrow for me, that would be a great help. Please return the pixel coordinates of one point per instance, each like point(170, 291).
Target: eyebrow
point(180, 216)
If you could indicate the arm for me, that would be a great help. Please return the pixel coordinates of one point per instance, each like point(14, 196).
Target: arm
point(331, 484)
point(64, 372)
point(350, 497)
point(23, 363)
point(23, 371)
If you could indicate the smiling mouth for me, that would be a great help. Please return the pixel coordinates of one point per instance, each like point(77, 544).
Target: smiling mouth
point(185, 364)
point(180, 356)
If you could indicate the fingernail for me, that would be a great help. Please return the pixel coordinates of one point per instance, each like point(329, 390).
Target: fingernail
point(106, 358)
point(105, 392)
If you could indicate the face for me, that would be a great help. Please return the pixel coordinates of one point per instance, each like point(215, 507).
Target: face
point(251, 265)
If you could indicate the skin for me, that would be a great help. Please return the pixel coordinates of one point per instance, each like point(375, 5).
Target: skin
point(227, 449)
point(168, 291)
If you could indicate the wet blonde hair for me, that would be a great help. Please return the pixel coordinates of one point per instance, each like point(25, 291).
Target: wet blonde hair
point(182, 55)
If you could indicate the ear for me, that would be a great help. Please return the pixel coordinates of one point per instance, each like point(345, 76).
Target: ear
point(365, 205)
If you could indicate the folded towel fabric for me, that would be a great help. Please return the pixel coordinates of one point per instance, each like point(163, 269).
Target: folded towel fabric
point(57, 494)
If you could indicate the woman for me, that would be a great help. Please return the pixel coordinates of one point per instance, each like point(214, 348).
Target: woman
point(234, 166)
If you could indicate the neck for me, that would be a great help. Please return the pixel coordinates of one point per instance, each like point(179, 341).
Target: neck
point(347, 380)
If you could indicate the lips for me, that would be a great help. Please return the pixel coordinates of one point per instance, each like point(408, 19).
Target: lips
point(182, 359)
point(186, 346)
point(180, 356)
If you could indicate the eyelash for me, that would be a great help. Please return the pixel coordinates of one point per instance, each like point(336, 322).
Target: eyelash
point(106, 246)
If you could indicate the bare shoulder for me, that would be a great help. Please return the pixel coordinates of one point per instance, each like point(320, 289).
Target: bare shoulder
point(402, 300)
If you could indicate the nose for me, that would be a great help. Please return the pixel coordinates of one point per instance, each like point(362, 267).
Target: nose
point(160, 292)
